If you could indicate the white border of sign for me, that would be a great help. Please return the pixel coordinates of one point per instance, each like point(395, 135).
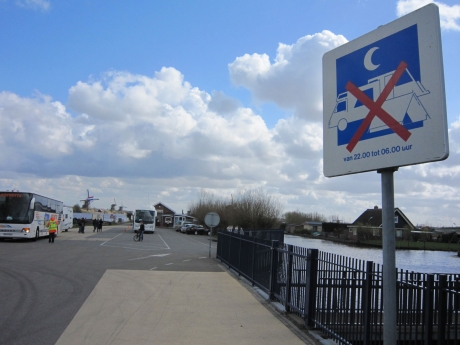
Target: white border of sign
point(426, 144)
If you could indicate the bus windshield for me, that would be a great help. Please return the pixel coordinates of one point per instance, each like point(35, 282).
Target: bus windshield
point(15, 208)
point(147, 216)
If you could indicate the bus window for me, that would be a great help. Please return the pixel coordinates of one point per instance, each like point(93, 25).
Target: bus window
point(14, 208)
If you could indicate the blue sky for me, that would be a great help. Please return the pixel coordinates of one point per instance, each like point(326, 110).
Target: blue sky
point(158, 100)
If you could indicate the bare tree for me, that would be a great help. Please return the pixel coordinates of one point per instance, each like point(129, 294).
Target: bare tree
point(297, 217)
point(77, 208)
point(249, 209)
point(334, 219)
point(256, 209)
point(206, 203)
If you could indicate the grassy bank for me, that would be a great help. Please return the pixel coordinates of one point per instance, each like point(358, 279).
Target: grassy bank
point(447, 247)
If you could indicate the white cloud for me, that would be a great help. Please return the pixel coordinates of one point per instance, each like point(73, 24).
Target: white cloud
point(449, 15)
point(294, 79)
point(36, 127)
point(222, 104)
point(125, 120)
point(131, 149)
point(454, 135)
point(158, 138)
point(300, 139)
point(43, 5)
point(166, 116)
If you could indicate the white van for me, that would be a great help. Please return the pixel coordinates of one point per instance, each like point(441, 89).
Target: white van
point(66, 221)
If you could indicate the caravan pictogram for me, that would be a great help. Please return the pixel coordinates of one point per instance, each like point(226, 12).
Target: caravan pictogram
point(379, 91)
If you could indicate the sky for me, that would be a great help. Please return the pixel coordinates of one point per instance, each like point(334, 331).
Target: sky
point(156, 101)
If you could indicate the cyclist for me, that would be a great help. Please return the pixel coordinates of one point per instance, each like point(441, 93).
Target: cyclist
point(141, 231)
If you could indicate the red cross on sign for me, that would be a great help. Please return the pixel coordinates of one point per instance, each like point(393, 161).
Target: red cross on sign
point(375, 109)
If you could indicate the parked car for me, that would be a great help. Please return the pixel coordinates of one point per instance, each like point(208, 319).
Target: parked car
point(197, 230)
point(184, 227)
point(180, 225)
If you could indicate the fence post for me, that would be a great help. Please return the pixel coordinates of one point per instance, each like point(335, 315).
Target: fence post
point(223, 250)
point(310, 286)
point(442, 309)
point(219, 247)
point(273, 270)
point(239, 255)
point(254, 246)
point(289, 278)
point(428, 309)
point(230, 249)
point(367, 298)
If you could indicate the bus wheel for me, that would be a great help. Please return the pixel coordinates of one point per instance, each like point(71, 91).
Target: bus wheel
point(36, 235)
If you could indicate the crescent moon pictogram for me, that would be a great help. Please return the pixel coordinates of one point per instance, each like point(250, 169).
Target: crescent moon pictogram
point(368, 59)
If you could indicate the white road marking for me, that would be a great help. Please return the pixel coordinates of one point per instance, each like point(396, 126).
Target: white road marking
point(123, 247)
point(203, 244)
point(134, 246)
point(146, 257)
point(110, 239)
point(164, 241)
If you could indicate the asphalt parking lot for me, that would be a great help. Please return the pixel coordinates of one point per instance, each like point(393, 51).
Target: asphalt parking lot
point(104, 288)
point(44, 284)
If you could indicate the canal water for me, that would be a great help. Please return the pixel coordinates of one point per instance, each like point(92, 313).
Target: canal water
point(420, 261)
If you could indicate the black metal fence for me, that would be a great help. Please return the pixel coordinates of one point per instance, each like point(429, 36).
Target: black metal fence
point(262, 235)
point(343, 297)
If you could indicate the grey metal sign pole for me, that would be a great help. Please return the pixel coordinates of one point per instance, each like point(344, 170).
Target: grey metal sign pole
point(211, 219)
point(389, 256)
point(210, 240)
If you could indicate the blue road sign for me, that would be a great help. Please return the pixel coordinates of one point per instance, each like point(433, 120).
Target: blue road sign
point(370, 69)
point(384, 93)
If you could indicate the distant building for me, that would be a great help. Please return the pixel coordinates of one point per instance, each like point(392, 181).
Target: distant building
point(310, 226)
point(167, 217)
point(106, 217)
point(331, 227)
point(448, 229)
point(370, 221)
point(321, 227)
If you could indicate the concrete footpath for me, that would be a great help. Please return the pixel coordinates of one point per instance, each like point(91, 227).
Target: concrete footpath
point(158, 307)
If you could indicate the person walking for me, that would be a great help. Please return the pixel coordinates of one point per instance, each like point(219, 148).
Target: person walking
point(94, 225)
point(83, 225)
point(141, 231)
point(99, 226)
point(79, 225)
point(52, 229)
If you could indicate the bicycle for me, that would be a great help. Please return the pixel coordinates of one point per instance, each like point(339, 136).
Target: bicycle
point(138, 237)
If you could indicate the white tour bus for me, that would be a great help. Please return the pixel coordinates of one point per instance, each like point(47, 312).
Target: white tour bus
point(147, 215)
point(24, 215)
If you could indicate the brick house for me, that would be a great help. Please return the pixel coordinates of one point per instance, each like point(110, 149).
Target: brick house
point(167, 217)
point(370, 223)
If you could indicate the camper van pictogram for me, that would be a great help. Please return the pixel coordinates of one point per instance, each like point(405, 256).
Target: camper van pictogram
point(403, 104)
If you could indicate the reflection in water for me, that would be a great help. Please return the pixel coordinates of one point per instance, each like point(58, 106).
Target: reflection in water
point(413, 260)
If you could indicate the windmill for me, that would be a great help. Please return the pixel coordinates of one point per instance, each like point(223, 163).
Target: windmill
point(121, 207)
point(87, 202)
point(112, 207)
